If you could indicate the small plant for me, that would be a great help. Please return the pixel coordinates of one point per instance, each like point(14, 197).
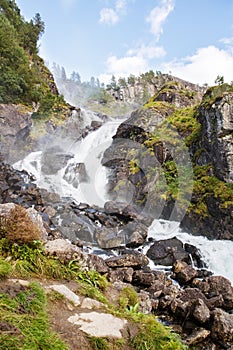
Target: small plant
point(134, 167)
point(5, 268)
point(93, 278)
point(128, 299)
point(99, 343)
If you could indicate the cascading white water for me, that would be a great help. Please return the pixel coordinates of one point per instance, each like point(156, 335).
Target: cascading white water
point(66, 182)
point(89, 152)
point(217, 254)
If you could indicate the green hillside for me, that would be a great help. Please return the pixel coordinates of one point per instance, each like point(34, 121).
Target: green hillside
point(23, 76)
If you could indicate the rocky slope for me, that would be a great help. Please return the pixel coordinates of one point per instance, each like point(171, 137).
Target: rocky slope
point(177, 155)
point(199, 308)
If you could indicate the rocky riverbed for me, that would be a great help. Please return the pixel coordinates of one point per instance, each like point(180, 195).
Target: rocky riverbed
point(188, 297)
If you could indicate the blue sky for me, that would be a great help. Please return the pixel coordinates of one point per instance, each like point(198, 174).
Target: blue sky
point(191, 39)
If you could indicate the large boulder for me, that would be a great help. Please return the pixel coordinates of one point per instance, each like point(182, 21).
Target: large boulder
point(166, 252)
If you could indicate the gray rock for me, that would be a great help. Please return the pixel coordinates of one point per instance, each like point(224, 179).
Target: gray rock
point(66, 292)
point(15, 126)
point(166, 252)
point(135, 260)
point(99, 324)
point(123, 274)
point(63, 250)
point(75, 173)
point(217, 288)
point(109, 237)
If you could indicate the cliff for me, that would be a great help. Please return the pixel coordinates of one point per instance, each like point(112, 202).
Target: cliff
point(180, 158)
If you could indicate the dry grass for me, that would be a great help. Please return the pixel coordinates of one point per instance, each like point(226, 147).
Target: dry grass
point(18, 227)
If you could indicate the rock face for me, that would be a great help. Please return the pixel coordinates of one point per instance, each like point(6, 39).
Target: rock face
point(217, 136)
point(15, 125)
point(137, 151)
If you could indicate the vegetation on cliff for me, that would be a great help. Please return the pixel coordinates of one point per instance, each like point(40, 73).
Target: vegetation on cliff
point(24, 78)
point(180, 131)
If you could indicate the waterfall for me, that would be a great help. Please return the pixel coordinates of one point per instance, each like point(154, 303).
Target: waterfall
point(82, 178)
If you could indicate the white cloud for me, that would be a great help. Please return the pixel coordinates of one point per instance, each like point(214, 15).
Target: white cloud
point(148, 52)
point(227, 41)
point(108, 16)
point(204, 66)
point(158, 15)
point(121, 6)
point(124, 66)
point(112, 16)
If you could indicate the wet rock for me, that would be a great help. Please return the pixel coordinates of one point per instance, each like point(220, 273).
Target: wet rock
point(95, 124)
point(136, 234)
point(54, 158)
point(120, 208)
point(73, 226)
point(109, 237)
point(75, 173)
point(166, 252)
point(196, 255)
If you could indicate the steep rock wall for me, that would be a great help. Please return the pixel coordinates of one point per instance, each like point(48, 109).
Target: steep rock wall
point(217, 136)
